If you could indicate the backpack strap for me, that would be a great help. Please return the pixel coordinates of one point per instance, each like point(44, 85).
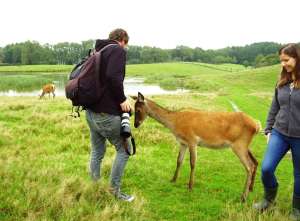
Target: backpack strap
point(75, 113)
point(98, 56)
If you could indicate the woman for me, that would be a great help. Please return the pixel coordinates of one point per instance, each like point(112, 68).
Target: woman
point(283, 129)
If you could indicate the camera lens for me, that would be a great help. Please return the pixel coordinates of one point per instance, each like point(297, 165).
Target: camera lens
point(125, 125)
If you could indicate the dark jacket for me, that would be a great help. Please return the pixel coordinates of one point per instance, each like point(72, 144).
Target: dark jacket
point(112, 74)
point(284, 114)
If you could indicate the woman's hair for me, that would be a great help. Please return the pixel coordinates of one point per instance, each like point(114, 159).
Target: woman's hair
point(119, 35)
point(292, 50)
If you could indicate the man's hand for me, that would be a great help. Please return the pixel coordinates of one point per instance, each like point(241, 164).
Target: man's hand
point(125, 106)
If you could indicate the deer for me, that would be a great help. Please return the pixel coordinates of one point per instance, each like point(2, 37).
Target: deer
point(48, 88)
point(215, 130)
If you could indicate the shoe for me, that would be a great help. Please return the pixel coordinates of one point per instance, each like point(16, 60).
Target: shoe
point(124, 197)
point(268, 200)
point(121, 196)
point(295, 215)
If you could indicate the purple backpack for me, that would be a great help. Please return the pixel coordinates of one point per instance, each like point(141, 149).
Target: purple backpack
point(84, 88)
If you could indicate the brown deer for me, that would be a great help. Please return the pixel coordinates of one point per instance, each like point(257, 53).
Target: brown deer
point(215, 130)
point(47, 89)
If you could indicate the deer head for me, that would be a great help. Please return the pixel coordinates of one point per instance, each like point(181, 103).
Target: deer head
point(139, 110)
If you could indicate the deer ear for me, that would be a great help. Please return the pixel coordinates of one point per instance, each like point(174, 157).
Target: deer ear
point(134, 97)
point(140, 97)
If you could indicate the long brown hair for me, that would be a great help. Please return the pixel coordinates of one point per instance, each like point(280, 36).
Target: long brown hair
point(292, 50)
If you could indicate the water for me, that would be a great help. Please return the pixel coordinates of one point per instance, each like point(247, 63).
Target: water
point(131, 85)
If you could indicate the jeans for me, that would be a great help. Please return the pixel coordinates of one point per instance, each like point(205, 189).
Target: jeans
point(106, 127)
point(278, 146)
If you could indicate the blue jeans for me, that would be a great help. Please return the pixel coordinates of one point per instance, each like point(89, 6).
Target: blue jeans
point(106, 127)
point(278, 146)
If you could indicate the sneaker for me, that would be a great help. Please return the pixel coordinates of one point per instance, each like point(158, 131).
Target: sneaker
point(295, 215)
point(122, 196)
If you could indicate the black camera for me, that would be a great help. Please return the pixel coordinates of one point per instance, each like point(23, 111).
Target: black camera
point(125, 132)
point(125, 125)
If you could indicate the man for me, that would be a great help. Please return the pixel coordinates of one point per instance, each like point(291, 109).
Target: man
point(104, 117)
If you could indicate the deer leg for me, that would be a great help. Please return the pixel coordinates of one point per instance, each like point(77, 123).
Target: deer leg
point(193, 159)
point(255, 163)
point(42, 95)
point(179, 162)
point(245, 159)
point(53, 94)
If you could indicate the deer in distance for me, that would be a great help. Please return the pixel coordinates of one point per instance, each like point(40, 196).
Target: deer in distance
point(214, 130)
point(47, 89)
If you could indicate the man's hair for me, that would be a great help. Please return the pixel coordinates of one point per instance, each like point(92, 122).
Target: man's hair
point(119, 35)
point(292, 50)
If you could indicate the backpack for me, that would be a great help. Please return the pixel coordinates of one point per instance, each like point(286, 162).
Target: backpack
point(84, 88)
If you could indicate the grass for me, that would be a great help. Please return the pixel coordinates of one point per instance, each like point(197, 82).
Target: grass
point(36, 68)
point(159, 67)
point(44, 157)
point(29, 81)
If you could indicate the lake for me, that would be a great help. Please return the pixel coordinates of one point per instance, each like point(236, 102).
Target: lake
point(131, 85)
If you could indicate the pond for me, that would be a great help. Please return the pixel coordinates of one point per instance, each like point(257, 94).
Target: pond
point(29, 84)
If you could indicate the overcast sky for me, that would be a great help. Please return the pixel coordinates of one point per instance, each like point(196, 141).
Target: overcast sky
point(209, 24)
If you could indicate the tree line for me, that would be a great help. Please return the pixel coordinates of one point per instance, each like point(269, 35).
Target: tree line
point(32, 52)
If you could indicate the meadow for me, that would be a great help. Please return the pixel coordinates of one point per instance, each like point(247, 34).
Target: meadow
point(44, 154)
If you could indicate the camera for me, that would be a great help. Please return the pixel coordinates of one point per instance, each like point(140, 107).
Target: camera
point(125, 125)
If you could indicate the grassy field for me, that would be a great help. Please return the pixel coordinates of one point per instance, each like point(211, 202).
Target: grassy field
point(67, 68)
point(36, 68)
point(29, 81)
point(44, 156)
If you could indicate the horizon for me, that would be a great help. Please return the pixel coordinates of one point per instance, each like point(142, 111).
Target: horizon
point(154, 46)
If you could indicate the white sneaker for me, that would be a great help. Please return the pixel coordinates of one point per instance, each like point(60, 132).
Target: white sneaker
point(122, 196)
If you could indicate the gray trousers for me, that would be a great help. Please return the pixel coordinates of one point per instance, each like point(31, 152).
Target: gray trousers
point(106, 127)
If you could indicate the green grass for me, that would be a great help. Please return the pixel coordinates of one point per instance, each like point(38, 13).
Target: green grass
point(36, 68)
point(223, 67)
point(29, 81)
point(158, 67)
point(44, 157)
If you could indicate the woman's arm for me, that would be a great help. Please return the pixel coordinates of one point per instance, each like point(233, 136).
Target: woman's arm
point(272, 113)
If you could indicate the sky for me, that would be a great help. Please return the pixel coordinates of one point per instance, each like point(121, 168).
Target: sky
point(209, 24)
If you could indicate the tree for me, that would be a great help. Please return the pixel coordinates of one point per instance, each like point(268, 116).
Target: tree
point(153, 55)
point(270, 59)
point(1, 55)
point(86, 45)
point(134, 54)
point(12, 54)
point(220, 59)
point(198, 54)
point(182, 53)
point(31, 52)
point(48, 56)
